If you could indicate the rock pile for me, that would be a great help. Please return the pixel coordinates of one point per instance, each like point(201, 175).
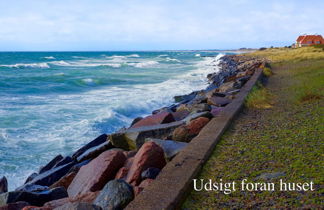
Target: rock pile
point(108, 172)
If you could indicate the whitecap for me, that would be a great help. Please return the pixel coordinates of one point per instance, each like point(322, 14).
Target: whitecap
point(133, 56)
point(27, 65)
point(144, 64)
point(172, 59)
point(60, 63)
point(49, 57)
point(197, 55)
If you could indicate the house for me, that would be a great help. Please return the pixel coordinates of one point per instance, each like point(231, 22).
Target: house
point(307, 40)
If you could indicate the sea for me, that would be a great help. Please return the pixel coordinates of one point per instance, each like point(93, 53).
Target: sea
point(54, 102)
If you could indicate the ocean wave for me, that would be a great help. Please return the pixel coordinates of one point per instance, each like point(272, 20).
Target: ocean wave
point(172, 59)
point(49, 57)
point(163, 55)
point(133, 56)
point(197, 55)
point(143, 64)
point(85, 64)
point(26, 65)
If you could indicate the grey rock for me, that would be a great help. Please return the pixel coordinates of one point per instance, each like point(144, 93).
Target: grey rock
point(15, 206)
point(137, 119)
point(33, 198)
point(115, 195)
point(93, 152)
point(3, 185)
point(64, 161)
point(194, 116)
point(51, 164)
point(31, 177)
point(99, 140)
point(170, 148)
point(134, 138)
point(32, 188)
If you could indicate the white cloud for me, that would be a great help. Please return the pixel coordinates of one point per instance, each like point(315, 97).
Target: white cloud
point(77, 25)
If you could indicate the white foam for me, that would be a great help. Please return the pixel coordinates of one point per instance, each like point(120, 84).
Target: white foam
point(27, 65)
point(49, 57)
point(143, 64)
point(197, 55)
point(172, 59)
point(133, 56)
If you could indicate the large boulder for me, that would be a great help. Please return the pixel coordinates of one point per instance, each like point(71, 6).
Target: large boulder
point(33, 188)
point(78, 206)
point(31, 177)
point(185, 98)
point(14, 206)
point(134, 138)
point(93, 176)
point(33, 198)
point(186, 132)
point(156, 119)
point(65, 181)
point(3, 185)
point(99, 140)
point(216, 111)
point(115, 195)
point(226, 87)
point(149, 155)
point(51, 164)
point(122, 172)
point(56, 203)
point(94, 151)
point(194, 116)
point(170, 148)
point(218, 101)
point(51, 176)
point(64, 161)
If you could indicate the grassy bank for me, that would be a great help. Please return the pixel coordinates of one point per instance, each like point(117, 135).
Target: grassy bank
point(279, 131)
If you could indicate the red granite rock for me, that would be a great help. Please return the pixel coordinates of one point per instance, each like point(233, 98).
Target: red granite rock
point(122, 172)
point(93, 176)
point(88, 197)
point(13, 206)
point(159, 118)
point(186, 132)
point(216, 111)
point(149, 155)
point(34, 208)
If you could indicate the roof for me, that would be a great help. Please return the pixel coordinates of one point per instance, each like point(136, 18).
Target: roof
point(306, 38)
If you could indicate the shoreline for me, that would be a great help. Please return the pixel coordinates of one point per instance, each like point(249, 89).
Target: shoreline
point(145, 147)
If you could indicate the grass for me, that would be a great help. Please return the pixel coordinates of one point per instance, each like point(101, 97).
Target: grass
point(286, 137)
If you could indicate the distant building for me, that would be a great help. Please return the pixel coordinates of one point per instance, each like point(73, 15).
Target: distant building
point(307, 40)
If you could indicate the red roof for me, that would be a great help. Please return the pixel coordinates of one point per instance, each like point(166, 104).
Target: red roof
point(310, 39)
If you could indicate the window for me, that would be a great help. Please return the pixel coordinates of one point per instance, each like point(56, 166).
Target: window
point(318, 42)
point(309, 42)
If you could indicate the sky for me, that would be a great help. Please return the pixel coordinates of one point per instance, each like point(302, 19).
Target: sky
point(99, 25)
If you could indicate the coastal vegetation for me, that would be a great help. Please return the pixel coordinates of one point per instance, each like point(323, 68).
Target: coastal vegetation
point(270, 143)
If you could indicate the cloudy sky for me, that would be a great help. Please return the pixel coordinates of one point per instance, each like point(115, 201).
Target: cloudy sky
point(155, 24)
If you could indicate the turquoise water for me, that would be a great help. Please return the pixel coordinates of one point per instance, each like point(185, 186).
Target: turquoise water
point(54, 102)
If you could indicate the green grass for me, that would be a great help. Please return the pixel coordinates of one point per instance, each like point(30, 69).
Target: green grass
point(287, 137)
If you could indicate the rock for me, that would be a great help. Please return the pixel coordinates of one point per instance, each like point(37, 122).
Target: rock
point(122, 172)
point(215, 111)
point(150, 173)
point(268, 176)
point(134, 138)
point(115, 195)
point(78, 206)
point(149, 155)
point(36, 208)
point(64, 161)
point(194, 107)
point(77, 166)
point(146, 183)
point(65, 181)
point(129, 154)
point(33, 198)
point(185, 98)
point(3, 185)
point(31, 177)
point(94, 151)
point(56, 203)
point(93, 176)
point(50, 165)
point(33, 188)
point(170, 148)
point(180, 115)
point(197, 115)
point(88, 197)
point(227, 86)
point(136, 120)
point(99, 140)
point(218, 101)
point(186, 132)
point(51, 176)
point(156, 119)
point(14, 206)
point(137, 190)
